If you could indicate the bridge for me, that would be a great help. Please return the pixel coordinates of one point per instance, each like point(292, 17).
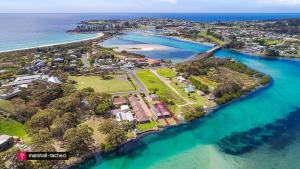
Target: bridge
point(206, 54)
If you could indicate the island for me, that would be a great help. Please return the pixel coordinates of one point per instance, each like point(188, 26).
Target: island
point(83, 98)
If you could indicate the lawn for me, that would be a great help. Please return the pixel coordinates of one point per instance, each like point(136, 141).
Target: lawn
point(272, 42)
point(6, 105)
point(203, 79)
point(13, 128)
point(94, 124)
point(147, 126)
point(154, 84)
point(166, 72)
point(213, 39)
point(115, 84)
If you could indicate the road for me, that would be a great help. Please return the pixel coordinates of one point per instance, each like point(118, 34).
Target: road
point(85, 60)
point(141, 86)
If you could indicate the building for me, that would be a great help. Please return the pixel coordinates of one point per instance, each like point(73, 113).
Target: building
point(162, 110)
point(140, 109)
point(181, 79)
point(154, 97)
point(125, 108)
point(121, 116)
point(200, 93)
point(6, 142)
point(118, 101)
point(154, 62)
point(189, 89)
point(54, 79)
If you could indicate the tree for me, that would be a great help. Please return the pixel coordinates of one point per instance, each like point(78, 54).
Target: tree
point(41, 119)
point(60, 125)
point(115, 134)
point(66, 104)
point(79, 140)
point(102, 108)
point(106, 126)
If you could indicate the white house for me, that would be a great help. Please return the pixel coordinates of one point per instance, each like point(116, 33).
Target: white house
point(54, 79)
point(121, 116)
point(125, 108)
point(181, 79)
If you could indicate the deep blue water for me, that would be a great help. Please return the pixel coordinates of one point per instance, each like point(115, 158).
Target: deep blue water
point(32, 30)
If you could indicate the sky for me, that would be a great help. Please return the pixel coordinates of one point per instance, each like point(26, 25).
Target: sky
point(144, 6)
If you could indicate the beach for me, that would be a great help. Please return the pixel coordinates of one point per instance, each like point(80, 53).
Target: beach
point(139, 47)
point(98, 35)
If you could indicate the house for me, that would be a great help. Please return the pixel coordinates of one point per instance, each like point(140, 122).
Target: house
point(181, 79)
point(154, 62)
point(162, 110)
point(54, 79)
point(189, 89)
point(6, 142)
point(211, 97)
point(118, 101)
point(200, 93)
point(140, 109)
point(125, 108)
point(121, 116)
point(154, 97)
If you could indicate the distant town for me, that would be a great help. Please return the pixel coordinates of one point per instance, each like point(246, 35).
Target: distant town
point(83, 98)
point(274, 38)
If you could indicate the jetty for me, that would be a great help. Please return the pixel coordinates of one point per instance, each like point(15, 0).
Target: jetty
point(206, 54)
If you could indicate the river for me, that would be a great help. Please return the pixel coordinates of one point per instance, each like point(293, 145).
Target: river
point(259, 131)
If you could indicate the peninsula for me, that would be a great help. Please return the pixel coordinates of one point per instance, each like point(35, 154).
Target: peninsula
point(83, 98)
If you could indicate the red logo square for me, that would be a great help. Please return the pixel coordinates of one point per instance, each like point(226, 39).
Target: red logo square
point(21, 155)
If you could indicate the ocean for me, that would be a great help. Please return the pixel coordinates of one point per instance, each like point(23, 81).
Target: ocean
point(19, 31)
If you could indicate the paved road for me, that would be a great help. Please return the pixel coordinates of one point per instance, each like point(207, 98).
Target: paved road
point(85, 60)
point(141, 86)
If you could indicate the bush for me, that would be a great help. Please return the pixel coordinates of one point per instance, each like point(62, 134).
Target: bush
point(200, 86)
point(264, 80)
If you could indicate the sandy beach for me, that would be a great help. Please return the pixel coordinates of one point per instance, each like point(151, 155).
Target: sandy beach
point(98, 35)
point(139, 47)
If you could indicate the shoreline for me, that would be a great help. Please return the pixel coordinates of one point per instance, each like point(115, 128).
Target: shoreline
point(211, 111)
point(98, 35)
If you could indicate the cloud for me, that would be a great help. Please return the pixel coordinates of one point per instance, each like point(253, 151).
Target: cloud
point(169, 1)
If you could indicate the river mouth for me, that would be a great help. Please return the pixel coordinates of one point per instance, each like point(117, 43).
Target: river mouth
point(260, 131)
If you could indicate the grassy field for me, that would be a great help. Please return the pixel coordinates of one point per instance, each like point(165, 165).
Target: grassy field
point(94, 124)
point(147, 126)
point(6, 105)
point(213, 39)
point(166, 72)
point(154, 84)
point(13, 128)
point(115, 84)
point(206, 81)
point(272, 42)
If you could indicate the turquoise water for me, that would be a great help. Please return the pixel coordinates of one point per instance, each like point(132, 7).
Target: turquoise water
point(260, 131)
point(21, 30)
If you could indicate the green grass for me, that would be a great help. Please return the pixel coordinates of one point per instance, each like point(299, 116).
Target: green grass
point(206, 81)
point(99, 85)
point(166, 72)
point(272, 42)
point(211, 38)
point(14, 128)
point(153, 83)
point(6, 105)
point(147, 126)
